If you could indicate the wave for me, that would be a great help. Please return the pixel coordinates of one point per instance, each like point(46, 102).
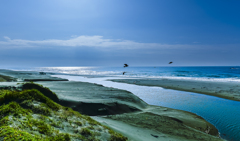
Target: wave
point(203, 79)
point(191, 78)
point(142, 73)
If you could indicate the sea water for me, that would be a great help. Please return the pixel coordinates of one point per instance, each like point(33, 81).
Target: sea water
point(226, 73)
point(222, 113)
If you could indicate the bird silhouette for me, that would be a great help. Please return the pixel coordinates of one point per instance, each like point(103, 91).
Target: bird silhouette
point(125, 65)
point(170, 62)
point(124, 73)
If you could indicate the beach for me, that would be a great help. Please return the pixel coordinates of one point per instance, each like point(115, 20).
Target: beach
point(121, 110)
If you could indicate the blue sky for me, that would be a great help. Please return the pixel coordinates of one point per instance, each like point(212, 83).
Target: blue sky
point(112, 32)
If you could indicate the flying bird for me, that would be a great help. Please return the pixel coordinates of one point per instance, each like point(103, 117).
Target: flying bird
point(124, 73)
point(170, 62)
point(125, 65)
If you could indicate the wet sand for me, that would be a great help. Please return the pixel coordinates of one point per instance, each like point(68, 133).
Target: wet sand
point(227, 90)
point(160, 123)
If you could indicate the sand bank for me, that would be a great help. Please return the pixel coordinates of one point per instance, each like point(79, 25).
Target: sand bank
point(159, 123)
point(227, 90)
point(29, 76)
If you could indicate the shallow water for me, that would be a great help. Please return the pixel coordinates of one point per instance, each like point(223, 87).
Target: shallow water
point(222, 113)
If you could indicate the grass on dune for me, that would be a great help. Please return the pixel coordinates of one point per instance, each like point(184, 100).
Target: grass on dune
point(30, 115)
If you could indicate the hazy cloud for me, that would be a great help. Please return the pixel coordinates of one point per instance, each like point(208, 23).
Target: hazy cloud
point(85, 41)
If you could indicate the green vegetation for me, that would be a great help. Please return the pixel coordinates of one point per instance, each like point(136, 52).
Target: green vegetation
point(14, 134)
point(78, 123)
point(44, 90)
point(85, 132)
point(14, 109)
point(6, 78)
point(116, 136)
point(30, 115)
point(27, 96)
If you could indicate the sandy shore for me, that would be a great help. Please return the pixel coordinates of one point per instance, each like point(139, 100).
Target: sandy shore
point(227, 90)
point(160, 123)
point(122, 111)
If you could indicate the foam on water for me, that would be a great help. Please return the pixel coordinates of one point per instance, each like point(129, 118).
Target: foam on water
point(220, 74)
point(201, 79)
point(217, 74)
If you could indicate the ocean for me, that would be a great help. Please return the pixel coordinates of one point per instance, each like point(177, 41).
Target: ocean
point(216, 73)
point(222, 113)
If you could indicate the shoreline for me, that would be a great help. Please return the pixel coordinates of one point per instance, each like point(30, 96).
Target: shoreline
point(112, 107)
point(226, 90)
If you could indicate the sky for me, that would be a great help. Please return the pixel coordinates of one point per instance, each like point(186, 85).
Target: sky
point(44, 33)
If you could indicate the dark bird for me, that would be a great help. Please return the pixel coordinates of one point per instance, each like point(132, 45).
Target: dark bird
point(124, 73)
point(125, 65)
point(170, 62)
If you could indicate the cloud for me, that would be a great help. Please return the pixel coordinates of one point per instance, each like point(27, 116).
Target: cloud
point(85, 41)
point(7, 38)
